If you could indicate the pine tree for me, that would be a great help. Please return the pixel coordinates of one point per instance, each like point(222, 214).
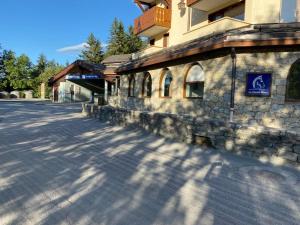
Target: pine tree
point(118, 42)
point(40, 66)
point(2, 72)
point(94, 51)
point(135, 43)
point(122, 42)
point(41, 63)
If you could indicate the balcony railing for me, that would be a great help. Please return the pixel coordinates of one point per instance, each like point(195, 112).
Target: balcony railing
point(154, 21)
point(208, 5)
point(216, 27)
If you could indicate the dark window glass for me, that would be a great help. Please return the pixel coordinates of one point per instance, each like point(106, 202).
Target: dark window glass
point(147, 85)
point(152, 42)
point(167, 84)
point(166, 40)
point(197, 16)
point(236, 11)
point(293, 82)
point(195, 82)
point(195, 90)
point(131, 86)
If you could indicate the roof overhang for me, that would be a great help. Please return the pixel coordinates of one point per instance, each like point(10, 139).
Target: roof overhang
point(265, 35)
point(79, 67)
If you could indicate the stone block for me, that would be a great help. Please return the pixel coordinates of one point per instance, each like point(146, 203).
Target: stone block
point(280, 90)
point(229, 144)
point(296, 149)
point(281, 82)
point(279, 99)
point(297, 113)
point(289, 156)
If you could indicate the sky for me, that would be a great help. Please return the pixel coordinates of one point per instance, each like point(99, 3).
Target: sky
point(59, 28)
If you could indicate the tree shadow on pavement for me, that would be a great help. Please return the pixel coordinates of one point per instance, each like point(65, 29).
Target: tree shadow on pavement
point(59, 168)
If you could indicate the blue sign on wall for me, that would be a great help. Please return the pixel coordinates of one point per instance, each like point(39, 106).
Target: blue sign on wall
point(259, 84)
point(84, 77)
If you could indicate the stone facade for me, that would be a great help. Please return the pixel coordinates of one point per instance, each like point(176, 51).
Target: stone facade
point(263, 126)
point(257, 141)
point(272, 111)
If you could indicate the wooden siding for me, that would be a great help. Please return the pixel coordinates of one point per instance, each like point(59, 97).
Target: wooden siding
point(155, 16)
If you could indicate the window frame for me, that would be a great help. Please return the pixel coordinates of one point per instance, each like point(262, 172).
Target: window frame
point(185, 82)
point(287, 99)
point(147, 75)
point(212, 17)
point(162, 84)
point(131, 86)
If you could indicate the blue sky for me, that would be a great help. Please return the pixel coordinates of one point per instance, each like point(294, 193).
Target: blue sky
point(49, 26)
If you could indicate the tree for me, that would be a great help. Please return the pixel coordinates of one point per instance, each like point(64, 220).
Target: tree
point(122, 42)
point(6, 55)
point(52, 69)
point(41, 65)
point(118, 41)
point(2, 72)
point(19, 72)
point(135, 43)
point(94, 51)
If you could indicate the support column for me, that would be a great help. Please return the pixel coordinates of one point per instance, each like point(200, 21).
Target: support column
point(298, 11)
point(233, 78)
point(43, 90)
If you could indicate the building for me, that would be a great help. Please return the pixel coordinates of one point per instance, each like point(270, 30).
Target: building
point(83, 81)
point(76, 82)
point(220, 71)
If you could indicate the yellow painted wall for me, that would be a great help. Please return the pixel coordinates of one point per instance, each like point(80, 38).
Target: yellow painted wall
point(263, 11)
point(256, 11)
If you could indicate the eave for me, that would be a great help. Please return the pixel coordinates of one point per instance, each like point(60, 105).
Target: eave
point(264, 35)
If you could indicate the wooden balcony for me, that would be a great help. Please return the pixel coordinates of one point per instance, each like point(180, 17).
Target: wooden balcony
point(208, 5)
point(153, 22)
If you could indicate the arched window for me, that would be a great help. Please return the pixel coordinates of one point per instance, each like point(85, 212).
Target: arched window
point(194, 82)
point(147, 85)
point(166, 81)
point(293, 83)
point(131, 86)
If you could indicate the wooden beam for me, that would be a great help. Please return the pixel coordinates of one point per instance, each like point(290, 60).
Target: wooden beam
point(140, 5)
point(205, 48)
point(169, 3)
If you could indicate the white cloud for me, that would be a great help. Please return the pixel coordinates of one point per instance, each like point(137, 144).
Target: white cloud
point(73, 49)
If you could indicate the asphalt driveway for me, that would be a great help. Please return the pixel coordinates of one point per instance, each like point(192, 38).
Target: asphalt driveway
point(57, 167)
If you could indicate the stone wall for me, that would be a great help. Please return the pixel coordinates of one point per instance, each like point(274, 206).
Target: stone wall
point(257, 141)
point(271, 111)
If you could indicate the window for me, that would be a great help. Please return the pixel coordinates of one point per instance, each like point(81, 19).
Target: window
point(197, 16)
point(166, 40)
point(166, 81)
point(147, 85)
point(293, 83)
point(152, 42)
point(194, 82)
point(288, 11)
point(118, 86)
point(236, 11)
point(131, 86)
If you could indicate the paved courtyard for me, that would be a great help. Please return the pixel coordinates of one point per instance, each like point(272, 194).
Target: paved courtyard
point(57, 167)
